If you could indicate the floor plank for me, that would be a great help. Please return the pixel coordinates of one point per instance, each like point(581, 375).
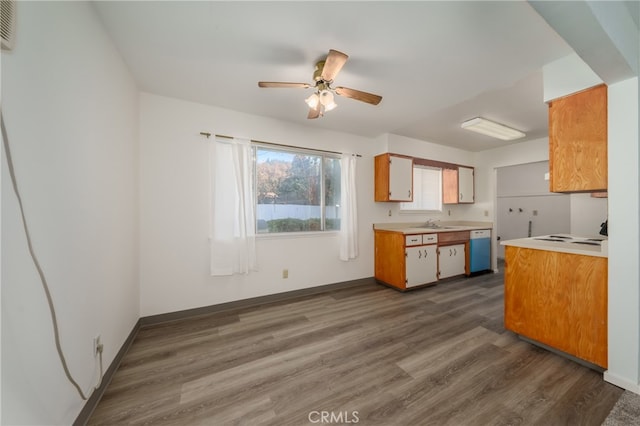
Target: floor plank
point(369, 355)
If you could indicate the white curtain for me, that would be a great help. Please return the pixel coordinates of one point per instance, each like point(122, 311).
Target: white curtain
point(232, 226)
point(349, 210)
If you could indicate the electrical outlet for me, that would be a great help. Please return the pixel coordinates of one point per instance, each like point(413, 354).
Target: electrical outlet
point(96, 345)
point(285, 273)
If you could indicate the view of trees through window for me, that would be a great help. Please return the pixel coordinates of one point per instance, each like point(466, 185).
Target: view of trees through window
point(296, 191)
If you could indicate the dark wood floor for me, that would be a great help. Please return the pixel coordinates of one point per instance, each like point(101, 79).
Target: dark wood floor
point(368, 355)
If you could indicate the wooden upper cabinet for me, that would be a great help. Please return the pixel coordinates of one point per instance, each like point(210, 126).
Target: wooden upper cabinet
point(449, 186)
point(393, 178)
point(578, 141)
point(457, 185)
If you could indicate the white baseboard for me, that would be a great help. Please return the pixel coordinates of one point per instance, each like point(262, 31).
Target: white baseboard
point(622, 382)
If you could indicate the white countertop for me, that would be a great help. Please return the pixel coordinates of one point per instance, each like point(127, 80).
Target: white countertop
point(564, 247)
point(442, 226)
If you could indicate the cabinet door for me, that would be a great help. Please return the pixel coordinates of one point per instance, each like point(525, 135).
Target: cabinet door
point(431, 263)
point(578, 141)
point(451, 260)
point(400, 179)
point(465, 185)
point(457, 185)
point(558, 299)
point(389, 259)
point(421, 264)
point(393, 178)
point(449, 186)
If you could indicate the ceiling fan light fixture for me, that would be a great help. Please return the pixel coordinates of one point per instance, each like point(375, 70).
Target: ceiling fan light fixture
point(331, 106)
point(322, 99)
point(313, 100)
point(493, 129)
point(326, 99)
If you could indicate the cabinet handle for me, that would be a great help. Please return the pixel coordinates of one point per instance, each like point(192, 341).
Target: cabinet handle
point(461, 195)
point(419, 254)
point(455, 253)
point(409, 193)
point(449, 252)
point(425, 252)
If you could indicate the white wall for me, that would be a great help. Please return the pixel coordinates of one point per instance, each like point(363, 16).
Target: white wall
point(70, 107)
point(567, 75)
point(624, 236)
point(587, 214)
point(174, 254)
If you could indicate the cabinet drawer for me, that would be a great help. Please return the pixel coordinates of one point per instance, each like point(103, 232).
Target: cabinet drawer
point(413, 240)
point(450, 237)
point(429, 238)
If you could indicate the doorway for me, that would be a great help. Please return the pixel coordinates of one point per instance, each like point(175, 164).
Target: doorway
point(525, 207)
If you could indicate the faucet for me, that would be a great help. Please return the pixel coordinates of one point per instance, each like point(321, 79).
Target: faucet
point(431, 224)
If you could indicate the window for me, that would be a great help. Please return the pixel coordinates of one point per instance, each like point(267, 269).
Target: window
point(296, 191)
point(427, 189)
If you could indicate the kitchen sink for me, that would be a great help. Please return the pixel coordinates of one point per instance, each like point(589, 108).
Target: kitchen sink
point(431, 226)
point(443, 227)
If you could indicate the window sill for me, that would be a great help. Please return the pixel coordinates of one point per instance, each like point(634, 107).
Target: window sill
point(411, 212)
point(295, 235)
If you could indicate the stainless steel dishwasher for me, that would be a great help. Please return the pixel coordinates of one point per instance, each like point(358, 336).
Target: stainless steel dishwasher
point(480, 250)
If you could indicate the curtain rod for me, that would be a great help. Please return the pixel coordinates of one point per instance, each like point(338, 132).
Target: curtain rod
point(208, 135)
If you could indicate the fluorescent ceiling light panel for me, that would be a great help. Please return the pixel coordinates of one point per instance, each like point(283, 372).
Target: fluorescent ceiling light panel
point(492, 129)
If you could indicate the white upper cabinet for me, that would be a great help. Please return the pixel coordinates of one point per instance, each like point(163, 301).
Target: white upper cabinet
point(393, 178)
point(465, 183)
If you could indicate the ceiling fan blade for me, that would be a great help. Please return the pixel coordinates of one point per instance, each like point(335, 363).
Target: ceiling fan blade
point(279, 84)
point(333, 64)
point(369, 98)
point(314, 112)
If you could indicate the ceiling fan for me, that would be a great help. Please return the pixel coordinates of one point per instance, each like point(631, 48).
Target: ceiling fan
point(322, 99)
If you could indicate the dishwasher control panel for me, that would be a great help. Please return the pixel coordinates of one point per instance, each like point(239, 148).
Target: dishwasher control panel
point(481, 233)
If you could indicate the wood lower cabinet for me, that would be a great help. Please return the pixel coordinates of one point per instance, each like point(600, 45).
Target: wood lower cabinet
point(405, 261)
point(558, 299)
point(578, 141)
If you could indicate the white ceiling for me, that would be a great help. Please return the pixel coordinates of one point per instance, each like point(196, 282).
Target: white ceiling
point(436, 64)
